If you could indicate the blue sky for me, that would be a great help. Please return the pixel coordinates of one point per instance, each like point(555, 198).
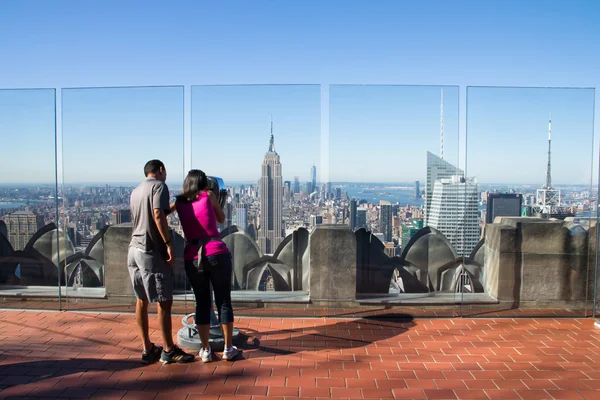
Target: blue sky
point(465, 43)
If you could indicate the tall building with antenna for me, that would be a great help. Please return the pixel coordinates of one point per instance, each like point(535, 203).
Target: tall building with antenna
point(437, 167)
point(442, 126)
point(547, 200)
point(451, 201)
point(270, 234)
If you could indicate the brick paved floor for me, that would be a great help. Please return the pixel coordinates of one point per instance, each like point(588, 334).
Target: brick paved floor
point(46, 354)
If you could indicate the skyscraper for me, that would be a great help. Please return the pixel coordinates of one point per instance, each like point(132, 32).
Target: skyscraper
point(313, 177)
point(241, 216)
point(437, 169)
point(353, 222)
point(417, 190)
point(121, 217)
point(21, 226)
point(296, 185)
point(454, 212)
point(361, 219)
point(385, 219)
point(503, 205)
point(270, 234)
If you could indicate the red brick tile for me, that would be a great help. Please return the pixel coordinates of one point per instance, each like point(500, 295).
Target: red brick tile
point(534, 394)
point(471, 394)
point(439, 394)
point(420, 384)
point(565, 394)
point(484, 384)
point(345, 393)
point(408, 394)
point(377, 393)
point(283, 391)
point(314, 392)
point(449, 384)
point(390, 383)
point(502, 394)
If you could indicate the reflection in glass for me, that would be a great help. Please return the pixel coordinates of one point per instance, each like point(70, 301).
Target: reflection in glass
point(532, 150)
point(108, 135)
point(29, 261)
point(394, 157)
point(264, 142)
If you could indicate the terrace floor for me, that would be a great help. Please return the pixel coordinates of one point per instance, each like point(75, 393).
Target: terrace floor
point(47, 354)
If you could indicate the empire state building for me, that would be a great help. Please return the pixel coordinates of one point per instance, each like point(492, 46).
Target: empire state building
point(270, 234)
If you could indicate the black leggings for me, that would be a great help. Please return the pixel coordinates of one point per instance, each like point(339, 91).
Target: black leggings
point(216, 270)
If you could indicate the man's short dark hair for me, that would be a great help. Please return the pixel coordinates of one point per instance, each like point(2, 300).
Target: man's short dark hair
point(153, 166)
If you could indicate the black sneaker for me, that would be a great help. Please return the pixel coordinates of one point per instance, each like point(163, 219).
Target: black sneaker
point(176, 355)
point(153, 355)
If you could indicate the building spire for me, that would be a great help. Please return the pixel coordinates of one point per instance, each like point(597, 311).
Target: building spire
point(549, 167)
point(442, 126)
point(272, 140)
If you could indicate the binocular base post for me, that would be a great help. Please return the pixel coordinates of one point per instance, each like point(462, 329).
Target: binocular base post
point(188, 337)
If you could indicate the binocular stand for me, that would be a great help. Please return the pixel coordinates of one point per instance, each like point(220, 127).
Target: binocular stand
point(188, 336)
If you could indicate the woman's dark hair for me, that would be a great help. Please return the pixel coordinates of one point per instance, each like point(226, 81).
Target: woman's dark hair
point(194, 183)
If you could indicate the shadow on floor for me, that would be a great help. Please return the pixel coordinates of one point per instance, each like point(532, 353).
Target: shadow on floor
point(348, 334)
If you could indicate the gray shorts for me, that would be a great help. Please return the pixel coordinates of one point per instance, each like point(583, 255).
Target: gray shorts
point(151, 276)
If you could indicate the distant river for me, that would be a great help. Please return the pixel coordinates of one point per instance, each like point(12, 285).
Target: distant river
point(401, 196)
point(11, 205)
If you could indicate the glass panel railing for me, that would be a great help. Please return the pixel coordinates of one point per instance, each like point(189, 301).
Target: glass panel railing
point(262, 141)
point(531, 149)
point(108, 136)
point(29, 260)
point(394, 162)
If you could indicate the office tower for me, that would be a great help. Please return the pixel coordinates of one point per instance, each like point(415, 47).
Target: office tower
point(361, 219)
point(287, 191)
point(329, 190)
point(353, 222)
point(21, 226)
point(385, 219)
point(228, 211)
point(296, 185)
point(309, 188)
point(241, 216)
point(338, 193)
point(409, 230)
point(316, 220)
point(313, 177)
point(503, 205)
point(437, 169)
point(120, 217)
point(270, 234)
point(454, 212)
point(417, 190)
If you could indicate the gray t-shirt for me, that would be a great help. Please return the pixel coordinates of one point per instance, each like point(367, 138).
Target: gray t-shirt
point(151, 194)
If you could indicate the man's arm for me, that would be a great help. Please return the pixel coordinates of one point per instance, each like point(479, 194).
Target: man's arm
point(161, 207)
point(160, 218)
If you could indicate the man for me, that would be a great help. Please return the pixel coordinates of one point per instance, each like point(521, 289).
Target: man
point(150, 261)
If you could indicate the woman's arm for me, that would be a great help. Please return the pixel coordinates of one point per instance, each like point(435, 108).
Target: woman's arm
point(218, 210)
point(171, 209)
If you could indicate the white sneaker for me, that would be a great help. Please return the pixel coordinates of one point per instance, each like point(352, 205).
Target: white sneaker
point(206, 355)
point(231, 353)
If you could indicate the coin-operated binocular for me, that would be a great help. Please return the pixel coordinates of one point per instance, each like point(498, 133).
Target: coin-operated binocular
point(217, 186)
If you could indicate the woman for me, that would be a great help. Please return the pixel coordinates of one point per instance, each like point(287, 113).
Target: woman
point(199, 211)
